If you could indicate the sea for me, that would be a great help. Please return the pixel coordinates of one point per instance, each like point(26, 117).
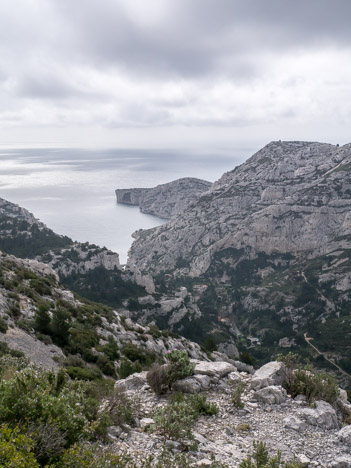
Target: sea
point(73, 190)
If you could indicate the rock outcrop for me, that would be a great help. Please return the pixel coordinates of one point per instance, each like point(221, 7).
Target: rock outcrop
point(165, 200)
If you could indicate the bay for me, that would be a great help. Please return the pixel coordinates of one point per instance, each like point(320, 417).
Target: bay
point(72, 190)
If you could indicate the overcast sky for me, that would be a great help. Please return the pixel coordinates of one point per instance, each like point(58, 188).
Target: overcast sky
point(212, 75)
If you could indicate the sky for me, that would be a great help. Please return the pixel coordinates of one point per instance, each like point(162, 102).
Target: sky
point(207, 75)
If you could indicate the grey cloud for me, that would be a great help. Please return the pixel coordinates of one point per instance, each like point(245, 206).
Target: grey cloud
point(203, 36)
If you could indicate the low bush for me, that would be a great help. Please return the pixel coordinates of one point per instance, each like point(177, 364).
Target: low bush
point(179, 366)
point(237, 393)
point(3, 325)
point(176, 419)
point(16, 449)
point(157, 378)
point(260, 459)
point(302, 379)
point(201, 406)
point(93, 456)
point(126, 368)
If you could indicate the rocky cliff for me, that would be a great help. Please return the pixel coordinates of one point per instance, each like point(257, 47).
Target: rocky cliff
point(290, 197)
point(268, 248)
point(165, 200)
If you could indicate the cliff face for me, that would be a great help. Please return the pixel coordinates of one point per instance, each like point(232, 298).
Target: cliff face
point(266, 252)
point(290, 197)
point(165, 200)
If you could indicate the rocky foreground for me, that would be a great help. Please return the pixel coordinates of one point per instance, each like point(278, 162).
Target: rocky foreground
point(314, 435)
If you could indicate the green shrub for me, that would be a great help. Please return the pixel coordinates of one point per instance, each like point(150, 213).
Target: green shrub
point(179, 366)
point(127, 368)
point(9, 365)
point(110, 349)
point(35, 395)
point(16, 449)
point(237, 393)
point(60, 325)
point(132, 352)
point(260, 459)
point(301, 379)
point(93, 456)
point(83, 373)
point(201, 406)
point(176, 419)
point(3, 325)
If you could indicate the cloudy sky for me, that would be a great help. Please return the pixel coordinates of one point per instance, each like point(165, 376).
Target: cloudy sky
point(205, 74)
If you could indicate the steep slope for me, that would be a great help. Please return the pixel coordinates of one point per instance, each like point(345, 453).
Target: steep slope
point(271, 243)
point(165, 200)
point(52, 326)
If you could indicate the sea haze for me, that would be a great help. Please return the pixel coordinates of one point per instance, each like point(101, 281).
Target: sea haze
point(72, 191)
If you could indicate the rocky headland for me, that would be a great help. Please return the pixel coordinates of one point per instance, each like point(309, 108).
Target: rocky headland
point(165, 200)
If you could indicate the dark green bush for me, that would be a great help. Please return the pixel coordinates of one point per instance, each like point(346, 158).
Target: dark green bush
point(260, 459)
point(3, 325)
point(302, 379)
point(127, 368)
point(179, 366)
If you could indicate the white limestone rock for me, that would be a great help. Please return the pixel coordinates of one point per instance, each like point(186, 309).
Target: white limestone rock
point(272, 373)
point(132, 382)
point(272, 395)
point(187, 385)
point(342, 462)
point(293, 422)
point(345, 435)
point(145, 423)
point(323, 415)
point(213, 369)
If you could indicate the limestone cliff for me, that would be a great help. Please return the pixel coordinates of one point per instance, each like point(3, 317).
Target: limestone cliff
point(290, 197)
point(266, 252)
point(165, 200)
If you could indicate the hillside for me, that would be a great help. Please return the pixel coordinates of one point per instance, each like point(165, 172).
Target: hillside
point(52, 326)
point(268, 248)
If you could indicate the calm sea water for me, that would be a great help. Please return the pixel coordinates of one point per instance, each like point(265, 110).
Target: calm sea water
point(72, 191)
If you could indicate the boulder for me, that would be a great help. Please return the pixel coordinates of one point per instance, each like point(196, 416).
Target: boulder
point(204, 380)
point(145, 423)
point(211, 369)
point(343, 395)
point(132, 382)
point(323, 415)
point(272, 373)
point(342, 462)
point(234, 377)
point(345, 435)
point(343, 406)
point(293, 422)
point(187, 385)
point(271, 395)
